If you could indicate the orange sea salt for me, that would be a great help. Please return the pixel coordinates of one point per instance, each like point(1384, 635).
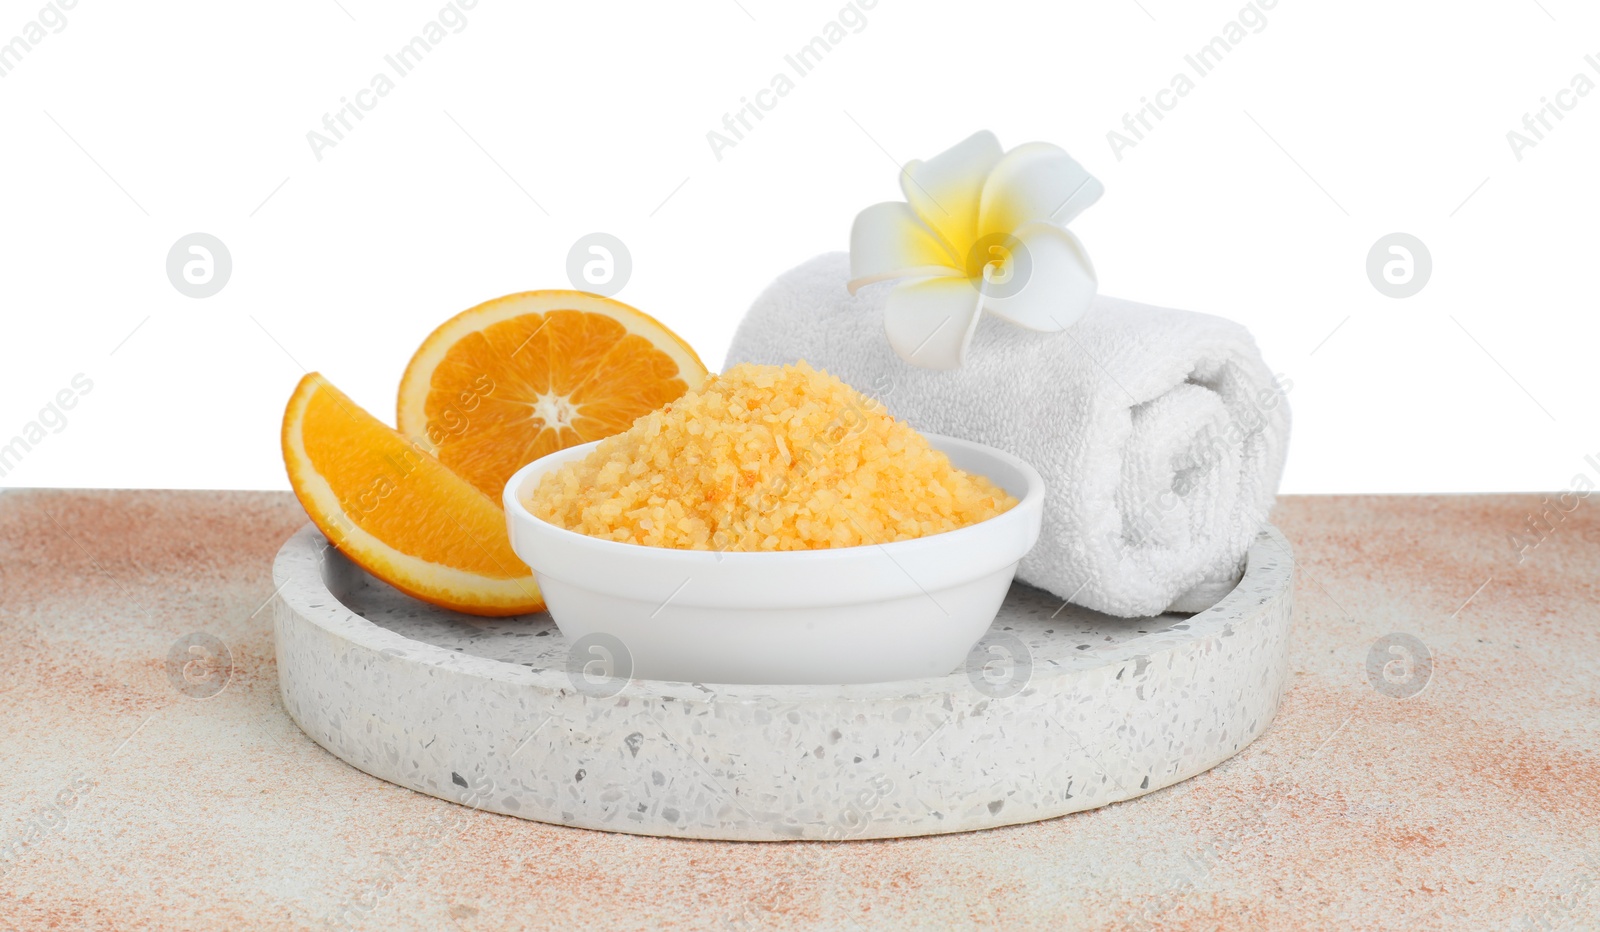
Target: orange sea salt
point(766, 458)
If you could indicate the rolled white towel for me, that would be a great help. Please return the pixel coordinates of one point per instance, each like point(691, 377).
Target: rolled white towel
point(1160, 433)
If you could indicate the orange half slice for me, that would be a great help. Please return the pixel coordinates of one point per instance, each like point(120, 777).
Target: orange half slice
point(498, 386)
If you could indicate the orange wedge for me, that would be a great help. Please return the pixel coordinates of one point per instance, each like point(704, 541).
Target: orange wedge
point(398, 512)
point(498, 386)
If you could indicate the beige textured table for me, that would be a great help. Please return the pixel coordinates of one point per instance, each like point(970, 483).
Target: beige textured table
point(129, 802)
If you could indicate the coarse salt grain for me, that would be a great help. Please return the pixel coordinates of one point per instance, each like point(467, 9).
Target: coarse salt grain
point(766, 458)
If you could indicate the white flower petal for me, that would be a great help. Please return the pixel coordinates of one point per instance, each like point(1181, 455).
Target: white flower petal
point(930, 321)
point(1054, 283)
point(1035, 181)
point(946, 189)
point(888, 241)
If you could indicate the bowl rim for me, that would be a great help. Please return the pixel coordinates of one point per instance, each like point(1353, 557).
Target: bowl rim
point(1032, 500)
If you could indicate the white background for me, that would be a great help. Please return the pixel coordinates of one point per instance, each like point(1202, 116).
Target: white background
point(538, 123)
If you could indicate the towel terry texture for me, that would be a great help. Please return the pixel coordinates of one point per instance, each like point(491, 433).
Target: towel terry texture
point(1160, 433)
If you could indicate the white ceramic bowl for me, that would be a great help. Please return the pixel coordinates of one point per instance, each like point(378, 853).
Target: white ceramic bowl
point(873, 613)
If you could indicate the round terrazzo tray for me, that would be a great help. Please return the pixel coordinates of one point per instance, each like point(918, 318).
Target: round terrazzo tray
point(1060, 709)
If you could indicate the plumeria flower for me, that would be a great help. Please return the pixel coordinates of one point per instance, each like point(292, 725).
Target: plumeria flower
point(978, 231)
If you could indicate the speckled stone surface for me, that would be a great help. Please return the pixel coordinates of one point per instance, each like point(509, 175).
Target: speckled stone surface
point(1078, 710)
point(1475, 803)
